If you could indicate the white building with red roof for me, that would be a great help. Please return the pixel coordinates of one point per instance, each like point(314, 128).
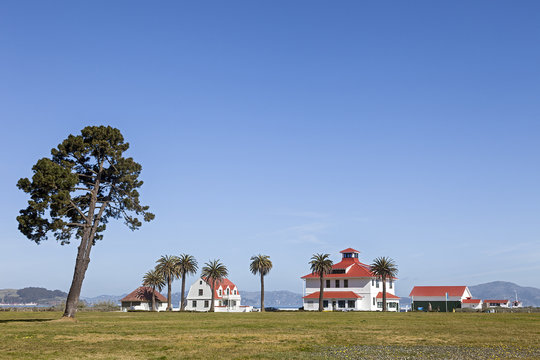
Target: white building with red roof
point(441, 298)
point(141, 299)
point(475, 304)
point(226, 298)
point(350, 286)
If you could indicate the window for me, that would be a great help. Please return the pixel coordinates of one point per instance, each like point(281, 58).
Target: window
point(372, 282)
point(346, 283)
point(390, 284)
point(234, 292)
point(373, 301)
point(338, 271)
point(200, 282)
point(341, 303)
point(351, 304)
point(194, 303)
point(220, 291)
point(379, 304)
point(206, 303)
point(228, 291)
point(220, 303)
point(325, 303)
point(200, 292)
point(392, 304)
point(378, 283)
point(337, 283)
point(347, 255)
point(327, 283)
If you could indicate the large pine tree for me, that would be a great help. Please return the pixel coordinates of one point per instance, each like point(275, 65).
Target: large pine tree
point(74, 194)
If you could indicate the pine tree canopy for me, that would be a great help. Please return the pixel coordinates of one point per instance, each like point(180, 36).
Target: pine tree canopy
point(86, 182)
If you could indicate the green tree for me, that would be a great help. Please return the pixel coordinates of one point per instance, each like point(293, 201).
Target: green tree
point(154, 279)
point(262, 265)
point(384, 268)
point(321, 265)
point(213, 272)
point(74, 194)
point(187, 265)
point(169, 269)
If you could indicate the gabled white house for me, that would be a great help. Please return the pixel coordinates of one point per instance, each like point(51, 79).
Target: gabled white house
point(226, 299)
point(141, 299)
point(351, 286)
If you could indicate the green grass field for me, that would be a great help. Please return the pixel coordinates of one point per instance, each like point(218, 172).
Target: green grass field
point(283, 335)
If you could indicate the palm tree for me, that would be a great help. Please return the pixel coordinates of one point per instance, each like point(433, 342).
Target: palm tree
point(214, 271)
point(187, 265)
point(384, 268)
point(321, 265)
point(168, 267)
point(154, 279)
point(261, 264)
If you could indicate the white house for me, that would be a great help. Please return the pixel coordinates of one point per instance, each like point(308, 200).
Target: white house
point(226, 299)
point(497, 303)
point(475, 304)
point(351, 286)
point(141, 299)
point(439, 298)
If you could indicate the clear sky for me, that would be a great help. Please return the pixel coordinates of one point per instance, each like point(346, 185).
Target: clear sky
point(408, 129)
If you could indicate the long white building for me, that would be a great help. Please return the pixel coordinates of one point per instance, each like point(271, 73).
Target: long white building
point(351, 286)
point(226, 299)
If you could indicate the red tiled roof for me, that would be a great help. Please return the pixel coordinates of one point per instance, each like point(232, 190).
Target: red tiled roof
point(334, 295)
point(437, 290)
point(349, 250)
point(224, 283)
point(388, 296)
point(143, 293)
point(496, 301)
point(356, 269)
point(471, 301)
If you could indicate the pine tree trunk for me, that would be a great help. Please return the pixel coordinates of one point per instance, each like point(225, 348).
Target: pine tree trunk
point(321, 293)
point(262, 292)
point(169, 305)
point(182, 299)
point(383, 293)
point(81, 265)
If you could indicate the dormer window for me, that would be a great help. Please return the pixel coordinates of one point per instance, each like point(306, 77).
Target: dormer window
point(234, 292)
point(227, 291)
point(219, 292)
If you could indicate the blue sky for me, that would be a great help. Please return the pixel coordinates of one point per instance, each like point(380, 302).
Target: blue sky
point(401, 129)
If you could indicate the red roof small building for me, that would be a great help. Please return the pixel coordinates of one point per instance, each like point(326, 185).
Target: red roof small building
point(141, 299)
point(349, 286)
point(438, 298)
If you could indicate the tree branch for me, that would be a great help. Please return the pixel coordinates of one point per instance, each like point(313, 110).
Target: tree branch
point(78, 210)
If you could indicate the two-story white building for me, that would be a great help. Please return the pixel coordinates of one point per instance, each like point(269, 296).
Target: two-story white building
point(226, 299)
point(351, 286)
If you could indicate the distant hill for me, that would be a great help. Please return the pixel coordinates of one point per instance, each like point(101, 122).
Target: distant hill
point(38, 295)
point(530, 296)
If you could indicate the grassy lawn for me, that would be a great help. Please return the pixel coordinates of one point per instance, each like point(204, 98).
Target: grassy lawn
point(269, 335)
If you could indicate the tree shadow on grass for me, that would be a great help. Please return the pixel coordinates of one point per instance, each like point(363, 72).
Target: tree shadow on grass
point(23, 320)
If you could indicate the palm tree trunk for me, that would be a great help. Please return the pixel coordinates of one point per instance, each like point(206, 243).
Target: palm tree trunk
point(169, 281)
point(262, 292)
point(384, 293)
point(153, 299)
point(321, 293)
point(213, 293)
point(182, 299)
